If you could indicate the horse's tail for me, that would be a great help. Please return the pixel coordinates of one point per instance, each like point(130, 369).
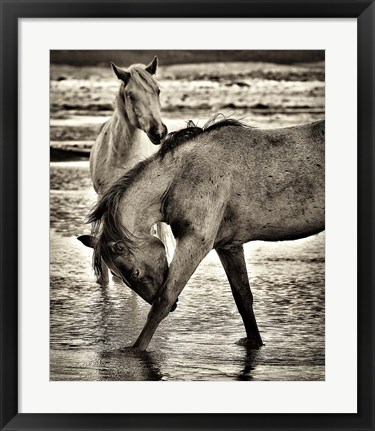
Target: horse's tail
point(164, 233)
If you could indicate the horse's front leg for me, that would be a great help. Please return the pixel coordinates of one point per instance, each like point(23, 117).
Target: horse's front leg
point(188, 254)
point(233, 261)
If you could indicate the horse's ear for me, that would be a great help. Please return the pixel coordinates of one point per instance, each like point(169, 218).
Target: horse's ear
point(151, 68)
point(120, 73)
point(87, 240)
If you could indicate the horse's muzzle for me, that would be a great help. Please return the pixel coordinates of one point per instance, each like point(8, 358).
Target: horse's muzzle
point(156, 134)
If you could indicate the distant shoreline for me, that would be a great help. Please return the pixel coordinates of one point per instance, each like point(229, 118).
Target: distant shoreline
point(168, 57)
point(262, 94)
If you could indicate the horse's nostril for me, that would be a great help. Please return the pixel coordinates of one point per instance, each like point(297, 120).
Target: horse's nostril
point(158, 133)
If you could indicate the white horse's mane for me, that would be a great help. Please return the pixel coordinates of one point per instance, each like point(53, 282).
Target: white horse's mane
point(142, 78)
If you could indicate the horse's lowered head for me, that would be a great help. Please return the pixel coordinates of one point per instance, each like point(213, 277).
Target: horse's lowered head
point(140, 98)
point(142, 266)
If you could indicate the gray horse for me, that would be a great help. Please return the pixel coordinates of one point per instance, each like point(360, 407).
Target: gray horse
point(218, 188)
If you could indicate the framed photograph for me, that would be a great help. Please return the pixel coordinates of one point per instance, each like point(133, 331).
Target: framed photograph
point(186, 215)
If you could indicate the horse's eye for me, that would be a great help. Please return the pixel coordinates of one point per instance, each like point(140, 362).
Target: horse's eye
point(136, 273)
point(131, 97)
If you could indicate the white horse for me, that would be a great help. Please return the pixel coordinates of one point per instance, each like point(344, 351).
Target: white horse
point(131, 134)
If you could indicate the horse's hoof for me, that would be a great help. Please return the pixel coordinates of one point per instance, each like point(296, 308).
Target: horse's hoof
point(130, 350)
point(249, 343)
point(137, 349)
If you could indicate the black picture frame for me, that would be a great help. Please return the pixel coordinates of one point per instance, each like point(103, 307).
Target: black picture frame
point(11, 11)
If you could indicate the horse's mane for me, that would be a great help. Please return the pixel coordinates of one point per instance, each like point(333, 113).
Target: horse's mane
point(142, 78)
point(104, 218)
point(103, 125)
point(174, 139)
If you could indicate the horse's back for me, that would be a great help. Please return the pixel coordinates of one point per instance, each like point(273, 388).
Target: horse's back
point(242, 138)
point(262, 183)
point(235, 148)
point(257, 151)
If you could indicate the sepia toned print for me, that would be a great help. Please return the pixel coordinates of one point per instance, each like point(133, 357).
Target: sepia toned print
point(233, 194)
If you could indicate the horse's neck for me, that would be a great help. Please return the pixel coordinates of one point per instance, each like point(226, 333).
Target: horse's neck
point(141, 204)
point(123, 135)
point(126, 142)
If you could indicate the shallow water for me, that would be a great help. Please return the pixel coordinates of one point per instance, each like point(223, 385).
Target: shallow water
point(91, 326)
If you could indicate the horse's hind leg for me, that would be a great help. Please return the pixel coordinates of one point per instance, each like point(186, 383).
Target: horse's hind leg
point(233, 261)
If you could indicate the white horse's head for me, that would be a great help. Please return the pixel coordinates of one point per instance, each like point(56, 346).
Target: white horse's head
point(140, 97)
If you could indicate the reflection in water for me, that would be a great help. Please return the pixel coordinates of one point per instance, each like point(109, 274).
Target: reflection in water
point(249, 364)
point(128, 364)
